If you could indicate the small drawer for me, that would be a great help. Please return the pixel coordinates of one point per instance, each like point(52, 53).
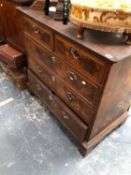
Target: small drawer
point(35, 50)
point(88, 90)
point(80, 59)
point(41, 34)
point(12, 57)
point(76, 127)
point(66, 93)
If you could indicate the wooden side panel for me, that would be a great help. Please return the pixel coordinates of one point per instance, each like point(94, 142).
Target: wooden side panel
point(2, 35)
point(14, 26)
point(116, 96)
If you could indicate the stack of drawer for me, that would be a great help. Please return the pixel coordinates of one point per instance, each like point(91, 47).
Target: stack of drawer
point(67, 78)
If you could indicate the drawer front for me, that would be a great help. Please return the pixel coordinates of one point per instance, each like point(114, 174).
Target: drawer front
point(89, 91)
point(86, 89)
point(80, 59)
point(43, 35)
point(35, 50)
point(66, 93)
point(62, 112)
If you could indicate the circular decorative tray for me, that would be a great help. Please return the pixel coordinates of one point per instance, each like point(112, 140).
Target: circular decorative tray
point(103, 15)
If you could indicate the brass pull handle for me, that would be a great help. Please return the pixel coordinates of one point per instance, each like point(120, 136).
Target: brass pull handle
point(70, 96)
point(50, 97)
point(74, 53)
point(66, 117)
point(53, 78)
point(53, 59)
point(39, 69)
point(38, 87)
point(72, 76)
point(83, 83)
point(35, 29)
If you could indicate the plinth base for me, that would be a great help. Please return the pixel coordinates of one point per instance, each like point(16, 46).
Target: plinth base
point(86, 147)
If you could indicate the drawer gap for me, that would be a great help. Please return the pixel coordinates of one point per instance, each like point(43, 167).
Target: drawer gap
point(53, 93)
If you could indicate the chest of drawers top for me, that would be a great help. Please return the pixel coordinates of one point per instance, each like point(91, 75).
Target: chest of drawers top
point(104, 45)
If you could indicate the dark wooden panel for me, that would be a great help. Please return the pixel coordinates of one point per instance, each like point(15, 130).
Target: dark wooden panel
point(116, 97)
point(41, 34)
point(2, 19)
point(66, 93)
point(63, 114)
point(13, 26)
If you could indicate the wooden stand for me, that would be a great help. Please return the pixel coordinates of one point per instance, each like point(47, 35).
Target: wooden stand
point(128, 41)
point(80, 32)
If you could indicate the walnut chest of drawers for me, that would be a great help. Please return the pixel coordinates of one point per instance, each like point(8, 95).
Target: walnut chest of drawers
point(85, 83)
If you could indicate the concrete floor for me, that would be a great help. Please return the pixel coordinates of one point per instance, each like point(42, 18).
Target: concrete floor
point(33, 143)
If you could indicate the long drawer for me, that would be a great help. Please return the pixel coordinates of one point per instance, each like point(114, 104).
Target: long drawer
point(80, 59)
point(41, 34)
point(81, 84)
point(65, 92)
point(62, 112)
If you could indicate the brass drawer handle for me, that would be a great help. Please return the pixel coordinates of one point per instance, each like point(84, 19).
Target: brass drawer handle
point(66, 117)
point(38, 87)
point(35, 29)
point(53, 78)
point(74, 53)
point(72, 76)
point(53, 59)
point(83, 83)
point(70, 96)
point(50, 97)
point(39, 69)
